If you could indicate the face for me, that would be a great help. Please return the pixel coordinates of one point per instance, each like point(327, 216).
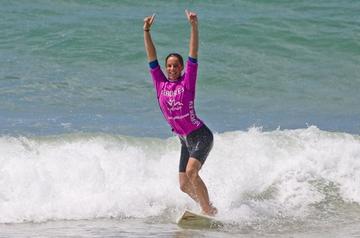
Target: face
point(173, 68)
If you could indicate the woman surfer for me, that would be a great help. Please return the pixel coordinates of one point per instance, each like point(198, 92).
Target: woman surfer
point(176, 94)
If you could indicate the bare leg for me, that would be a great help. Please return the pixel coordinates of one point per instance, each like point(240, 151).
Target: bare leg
point(186, 186)
point(193, 185)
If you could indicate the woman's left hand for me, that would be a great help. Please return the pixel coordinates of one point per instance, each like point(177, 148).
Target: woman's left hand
point(192, 17)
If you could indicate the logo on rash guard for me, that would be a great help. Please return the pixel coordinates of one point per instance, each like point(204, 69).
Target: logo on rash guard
point(192, 114)
point(173, 105)
point(170, 93)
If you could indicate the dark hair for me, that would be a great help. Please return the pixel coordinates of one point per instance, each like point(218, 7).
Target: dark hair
point(178, 56)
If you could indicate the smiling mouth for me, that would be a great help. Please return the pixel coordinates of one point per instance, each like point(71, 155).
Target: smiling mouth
point(172, 75)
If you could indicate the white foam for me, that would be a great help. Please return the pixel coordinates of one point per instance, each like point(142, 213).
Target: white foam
point(249, 174)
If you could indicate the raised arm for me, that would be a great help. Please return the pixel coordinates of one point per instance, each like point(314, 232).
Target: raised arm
point(194, 35)
point(149, 45)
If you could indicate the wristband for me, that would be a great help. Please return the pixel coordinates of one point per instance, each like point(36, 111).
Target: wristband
point(147, 30)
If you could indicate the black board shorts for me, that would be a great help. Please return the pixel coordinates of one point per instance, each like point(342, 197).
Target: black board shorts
point(196, 145)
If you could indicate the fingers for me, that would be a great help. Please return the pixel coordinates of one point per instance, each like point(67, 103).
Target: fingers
point(190, 15)
point(148, 21)
point(187, 13)
point(152, 18)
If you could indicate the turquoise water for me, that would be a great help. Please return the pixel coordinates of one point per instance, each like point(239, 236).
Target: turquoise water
point(70, 66)
point(82, 138)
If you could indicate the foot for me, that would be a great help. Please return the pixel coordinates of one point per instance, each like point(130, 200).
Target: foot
point(212, 211)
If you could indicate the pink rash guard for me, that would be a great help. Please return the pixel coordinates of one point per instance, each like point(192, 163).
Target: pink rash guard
point(176, 99)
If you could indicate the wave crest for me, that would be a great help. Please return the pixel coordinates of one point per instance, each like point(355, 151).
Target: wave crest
point(250, 174)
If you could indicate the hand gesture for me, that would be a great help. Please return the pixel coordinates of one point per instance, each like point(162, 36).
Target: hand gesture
point(192, 17)
point(148, 21)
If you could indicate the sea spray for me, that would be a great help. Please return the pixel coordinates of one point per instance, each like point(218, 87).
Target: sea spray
point(251, 175)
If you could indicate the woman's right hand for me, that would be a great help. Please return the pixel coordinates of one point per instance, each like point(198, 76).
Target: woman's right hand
point(148, 21)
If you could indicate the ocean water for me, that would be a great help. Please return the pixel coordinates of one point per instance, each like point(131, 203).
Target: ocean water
point(85, 151)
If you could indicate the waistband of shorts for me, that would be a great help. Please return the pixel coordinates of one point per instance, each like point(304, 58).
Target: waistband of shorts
point(201, 128)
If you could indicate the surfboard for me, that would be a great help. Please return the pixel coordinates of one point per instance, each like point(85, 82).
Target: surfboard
point(190, 219)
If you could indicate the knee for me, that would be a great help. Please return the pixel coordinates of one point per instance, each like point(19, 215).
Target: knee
point(192, 174)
